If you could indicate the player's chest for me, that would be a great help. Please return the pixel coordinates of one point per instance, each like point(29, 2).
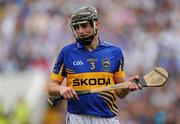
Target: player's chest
point(91, 62)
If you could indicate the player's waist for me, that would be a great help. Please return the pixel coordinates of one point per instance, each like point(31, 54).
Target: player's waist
point(91, 80)
point(94, 104)
point(92, 115)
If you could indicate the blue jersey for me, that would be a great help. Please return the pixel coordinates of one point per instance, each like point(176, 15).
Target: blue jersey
point(87, 70)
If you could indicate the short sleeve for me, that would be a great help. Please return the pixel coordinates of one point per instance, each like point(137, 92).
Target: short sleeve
point(58, 72)
point(120, 73)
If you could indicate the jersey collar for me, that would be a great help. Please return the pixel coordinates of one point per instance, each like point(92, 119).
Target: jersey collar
point(101, 43)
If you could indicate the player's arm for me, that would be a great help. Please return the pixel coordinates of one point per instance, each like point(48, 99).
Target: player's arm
point(121, 93)
point(55, 89)
point(119, 77)
point(55, 86)
point(132, 86)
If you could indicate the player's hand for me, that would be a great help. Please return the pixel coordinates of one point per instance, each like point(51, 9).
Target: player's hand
point(132, 85)
point(68, 92)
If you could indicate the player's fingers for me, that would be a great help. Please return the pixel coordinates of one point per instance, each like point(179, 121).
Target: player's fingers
point(65, 96)
point(139, 86)
point(75, 95)
point(130, 86)
point(133, 86)
point(136, 86)
point(70, 94)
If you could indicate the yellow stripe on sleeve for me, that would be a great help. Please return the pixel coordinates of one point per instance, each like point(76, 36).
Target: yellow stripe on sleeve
point(58, 76)
point(120, 74)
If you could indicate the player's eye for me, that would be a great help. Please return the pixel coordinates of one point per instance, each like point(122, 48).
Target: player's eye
point(76, 27)
point(84, 25)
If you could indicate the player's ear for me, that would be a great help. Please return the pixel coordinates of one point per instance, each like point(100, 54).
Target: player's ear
point(98, 24)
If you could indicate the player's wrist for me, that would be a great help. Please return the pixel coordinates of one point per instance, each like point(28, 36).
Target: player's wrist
point(60, 89)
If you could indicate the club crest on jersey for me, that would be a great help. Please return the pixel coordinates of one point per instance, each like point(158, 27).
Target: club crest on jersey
point(106, 64)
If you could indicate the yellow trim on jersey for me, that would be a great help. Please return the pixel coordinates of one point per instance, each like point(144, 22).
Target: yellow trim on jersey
point(58, 76)
point(67, 69)
point(107, 92)
point(120, 73)
point(110, 104)
point(110, 94)
point(113, 100)
point(90, 80)
point(114, 111)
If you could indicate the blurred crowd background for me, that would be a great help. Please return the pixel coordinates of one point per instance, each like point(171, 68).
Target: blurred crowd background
point(33, 31)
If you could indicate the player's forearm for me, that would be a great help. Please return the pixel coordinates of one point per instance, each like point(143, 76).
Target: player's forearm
point(53, 87)
point(121, 93)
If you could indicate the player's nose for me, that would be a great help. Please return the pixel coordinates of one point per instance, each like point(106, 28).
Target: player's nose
point(80, 30)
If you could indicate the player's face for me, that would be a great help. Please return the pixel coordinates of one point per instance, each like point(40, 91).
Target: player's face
point(83, 30)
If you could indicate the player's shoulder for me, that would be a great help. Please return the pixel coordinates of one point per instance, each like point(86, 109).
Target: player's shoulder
point(69, 47)
point(112, 46)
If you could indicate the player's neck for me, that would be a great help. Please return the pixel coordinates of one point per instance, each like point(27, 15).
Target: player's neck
point(93, 45)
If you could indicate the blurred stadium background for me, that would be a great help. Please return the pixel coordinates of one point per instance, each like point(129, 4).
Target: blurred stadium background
point(33, 31)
